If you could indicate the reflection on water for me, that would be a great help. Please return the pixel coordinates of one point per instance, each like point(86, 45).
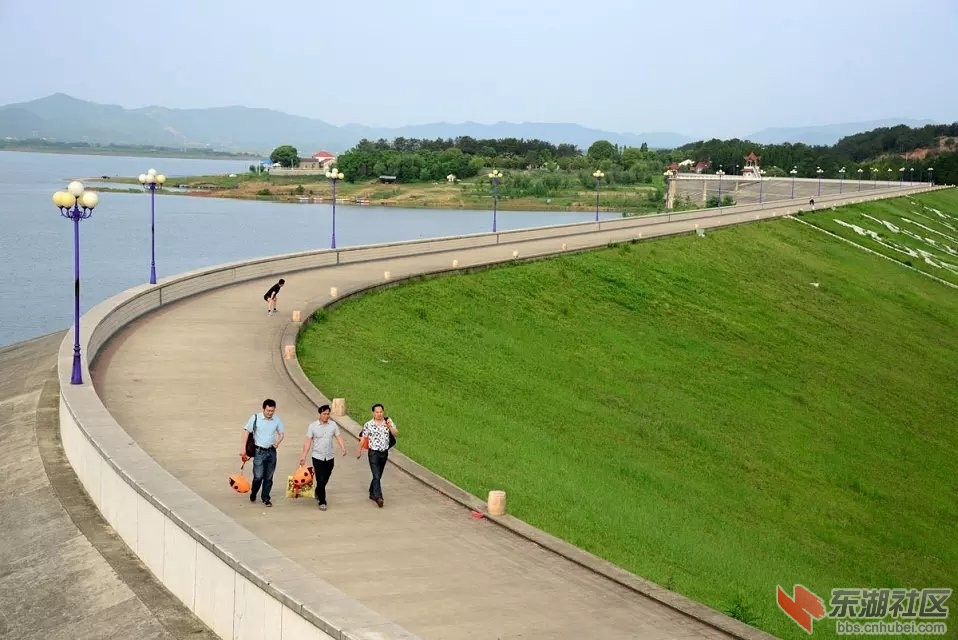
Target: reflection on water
point(36, 247)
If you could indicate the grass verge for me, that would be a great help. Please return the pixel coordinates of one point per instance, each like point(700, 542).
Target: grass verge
point(694, 410)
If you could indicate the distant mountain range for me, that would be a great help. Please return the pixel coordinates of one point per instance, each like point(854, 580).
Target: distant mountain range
point(827, 134)
point(64, 118)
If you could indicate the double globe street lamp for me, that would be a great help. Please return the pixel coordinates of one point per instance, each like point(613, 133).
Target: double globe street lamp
point(720, 173)
point(860, 171)
point(841, 179)
point(495, 175)
point(793, 172)
point(819, 171)
point(151, 180)
point(334, 176)
point(76, 204)
point(598, 175)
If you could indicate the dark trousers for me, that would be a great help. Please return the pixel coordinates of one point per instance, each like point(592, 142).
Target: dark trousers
point(323, 469)
point(264, 464)
point(377, 464)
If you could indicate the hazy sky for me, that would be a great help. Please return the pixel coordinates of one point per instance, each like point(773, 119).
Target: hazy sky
point(700, 68)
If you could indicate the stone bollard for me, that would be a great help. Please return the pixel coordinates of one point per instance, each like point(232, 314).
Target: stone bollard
point(515, 254)
point(297, 315)
point(455, 263)
point(338, 407)
point(289, 351)
point(386, 275)
point(333, 292)
point(564, 246)
point(497, 503)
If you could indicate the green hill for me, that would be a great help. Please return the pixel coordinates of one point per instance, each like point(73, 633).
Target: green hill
point(766, 405)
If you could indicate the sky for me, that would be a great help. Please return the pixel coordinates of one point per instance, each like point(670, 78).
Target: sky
point(703, 69)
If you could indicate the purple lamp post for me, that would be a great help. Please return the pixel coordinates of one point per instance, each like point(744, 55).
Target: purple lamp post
point(495, 175)
point(860, 172)
point(151, 180)
point(793, 172)
point(598, 175)
point(76, 204)
point(334, 176)
point(841, 179)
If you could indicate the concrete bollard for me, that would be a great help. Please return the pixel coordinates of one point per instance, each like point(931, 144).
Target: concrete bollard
point(333, 292)
point(564, 246)
point(455, 263)
point(338, 407)
point(297, 315)
point(386, 275)
point(289, 351)
point(515, 254)
point(496, 503)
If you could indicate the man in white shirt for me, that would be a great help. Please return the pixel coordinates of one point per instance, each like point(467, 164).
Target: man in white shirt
point(319, 437)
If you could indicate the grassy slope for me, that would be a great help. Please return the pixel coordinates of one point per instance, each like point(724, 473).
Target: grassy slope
point(691, 409)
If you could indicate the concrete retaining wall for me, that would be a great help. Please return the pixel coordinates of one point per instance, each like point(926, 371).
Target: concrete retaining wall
point(237, 584)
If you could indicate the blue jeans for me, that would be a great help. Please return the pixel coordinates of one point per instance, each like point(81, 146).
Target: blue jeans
point(264, 464)
point(377, 464)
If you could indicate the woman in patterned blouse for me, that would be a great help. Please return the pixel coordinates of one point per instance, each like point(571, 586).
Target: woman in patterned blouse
point(377, 432)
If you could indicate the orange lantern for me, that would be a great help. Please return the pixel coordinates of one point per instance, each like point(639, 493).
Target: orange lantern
point(239, 483)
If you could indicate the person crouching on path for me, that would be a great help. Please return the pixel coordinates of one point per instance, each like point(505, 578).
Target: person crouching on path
point(319, 435)
point(377, 432)
point(271, 297)
point(268, 433)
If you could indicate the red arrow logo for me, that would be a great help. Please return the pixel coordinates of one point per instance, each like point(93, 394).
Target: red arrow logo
point(802, 607)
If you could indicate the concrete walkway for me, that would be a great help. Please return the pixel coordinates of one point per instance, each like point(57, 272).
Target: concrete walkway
point(182, 382)
point(64, 574)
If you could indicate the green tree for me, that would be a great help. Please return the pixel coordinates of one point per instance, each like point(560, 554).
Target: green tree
point(602, 150)
point(286, 155)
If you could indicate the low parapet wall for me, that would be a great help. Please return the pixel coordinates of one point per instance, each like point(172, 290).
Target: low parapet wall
point(234, 582)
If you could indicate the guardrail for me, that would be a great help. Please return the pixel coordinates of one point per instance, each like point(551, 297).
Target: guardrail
point(234, 582)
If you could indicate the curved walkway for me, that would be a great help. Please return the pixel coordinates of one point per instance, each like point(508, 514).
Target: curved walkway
point(63, 572)
point(183, 379)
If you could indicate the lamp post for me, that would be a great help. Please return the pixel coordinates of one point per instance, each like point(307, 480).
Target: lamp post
point(889, 177)
point(819, 172)
point(793, 172)
point(860, 171)
point(761, 181)
point(668, 177)
point(334, 176)
point(874, 178)
point(598, 175)
point(911, 178)
point(720, 173)
point(901, 177)
point(76, 204)
point(841, 180)
point(150, 181)
point(931, 176)
point(495, 175)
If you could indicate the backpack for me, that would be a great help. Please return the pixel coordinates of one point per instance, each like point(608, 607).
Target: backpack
point(250, 441)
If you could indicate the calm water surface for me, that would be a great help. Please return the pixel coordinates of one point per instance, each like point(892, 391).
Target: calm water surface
point(36, 243)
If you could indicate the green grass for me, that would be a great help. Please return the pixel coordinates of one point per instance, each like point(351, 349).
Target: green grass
point(922, 234)
point(691, 409)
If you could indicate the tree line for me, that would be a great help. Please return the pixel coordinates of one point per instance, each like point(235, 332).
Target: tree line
point(424, 160)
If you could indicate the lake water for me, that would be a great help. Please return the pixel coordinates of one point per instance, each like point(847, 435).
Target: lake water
point(36, 243)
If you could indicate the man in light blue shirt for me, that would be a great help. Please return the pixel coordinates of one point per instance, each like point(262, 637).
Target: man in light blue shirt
point(268, 432)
